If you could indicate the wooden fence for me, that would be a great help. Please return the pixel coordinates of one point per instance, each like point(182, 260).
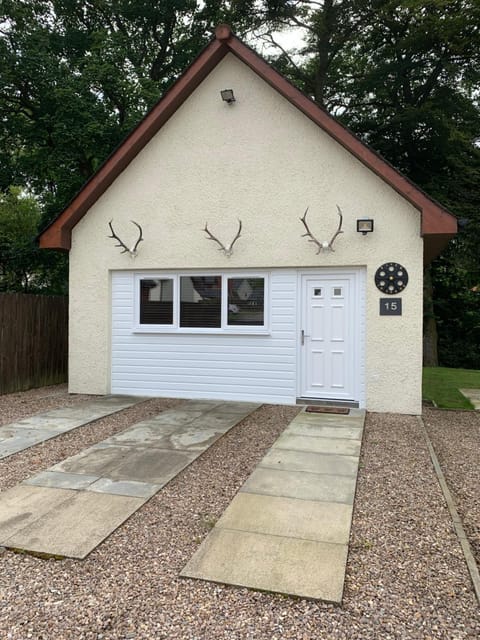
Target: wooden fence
point(33, 341)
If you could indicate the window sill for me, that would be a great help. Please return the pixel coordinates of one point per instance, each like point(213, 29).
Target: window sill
point(203, 332)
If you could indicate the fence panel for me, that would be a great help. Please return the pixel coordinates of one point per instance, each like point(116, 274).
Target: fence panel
point(33, 341)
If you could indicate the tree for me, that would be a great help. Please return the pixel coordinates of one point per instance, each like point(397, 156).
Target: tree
point(405, 77)
point(76, 76)
point(23, 267)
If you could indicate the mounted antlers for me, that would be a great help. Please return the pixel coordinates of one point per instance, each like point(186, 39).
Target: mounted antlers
point(227, 250)
point(326, 245)
point(133, 250)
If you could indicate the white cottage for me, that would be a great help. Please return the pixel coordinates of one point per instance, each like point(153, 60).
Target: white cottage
point(279, 316)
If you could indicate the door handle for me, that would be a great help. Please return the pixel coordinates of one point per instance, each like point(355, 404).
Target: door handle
point(304, 335)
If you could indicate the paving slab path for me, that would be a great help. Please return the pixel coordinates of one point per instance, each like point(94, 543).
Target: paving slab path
point(288, 528)
point(73, 506)
point(38, 428)
point(473, 395)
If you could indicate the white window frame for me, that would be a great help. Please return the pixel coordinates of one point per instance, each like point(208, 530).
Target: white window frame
point(155, 327)
point(224, 328)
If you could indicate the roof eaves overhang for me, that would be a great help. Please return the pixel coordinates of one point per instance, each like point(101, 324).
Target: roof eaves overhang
point(435, 220)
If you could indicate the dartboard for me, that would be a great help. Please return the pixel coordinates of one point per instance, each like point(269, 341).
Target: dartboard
point(391, 278)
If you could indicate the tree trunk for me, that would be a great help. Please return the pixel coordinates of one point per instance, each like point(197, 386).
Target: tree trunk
point(430, 338)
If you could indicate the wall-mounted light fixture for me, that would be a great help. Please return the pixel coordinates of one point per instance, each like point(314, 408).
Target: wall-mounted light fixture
point(365, 225)
point(227, 96)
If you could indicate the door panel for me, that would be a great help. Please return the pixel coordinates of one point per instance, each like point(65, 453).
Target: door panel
point(328, 352)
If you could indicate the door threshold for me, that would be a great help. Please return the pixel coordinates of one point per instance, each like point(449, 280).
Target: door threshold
point(328, 403)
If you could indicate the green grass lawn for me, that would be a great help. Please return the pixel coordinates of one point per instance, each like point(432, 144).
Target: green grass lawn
point(442, 386)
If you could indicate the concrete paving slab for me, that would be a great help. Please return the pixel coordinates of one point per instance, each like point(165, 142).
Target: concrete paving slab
point(237, 407)
point(322, 431)
point(340, 446)
point(220, 421)
point(176, 417)
point(125, 488)
point(301, 485)
point(311, 462)
point(23, 505)
point(286, 565)
point(74, 527)
point(56, 425)
point(320, 521)
point(30, 431)
point(200, 405)
point(473, 395)
point(13, 439)
point(117, 462)
point(60, 480)
point(328, 420)
point(103, 404)
point(287, 530)
point(156, 466)
point(97, 460)
point(165, 436)
point(105, 484)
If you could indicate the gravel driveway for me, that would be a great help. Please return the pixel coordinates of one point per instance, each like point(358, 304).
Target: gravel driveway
point(406, 577)
point(455, 436)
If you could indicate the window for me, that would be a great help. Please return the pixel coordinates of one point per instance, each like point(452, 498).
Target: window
point(246, 302)
point(156, 301)
point(201, 302)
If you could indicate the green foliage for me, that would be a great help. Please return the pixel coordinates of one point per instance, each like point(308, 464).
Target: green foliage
point(76, 76)
point(23, 267)
point(457, 308)
point(441, 385)
point(405, 77)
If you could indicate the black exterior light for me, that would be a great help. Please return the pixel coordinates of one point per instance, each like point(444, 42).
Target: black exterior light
point(365, 225)
point(227, 96)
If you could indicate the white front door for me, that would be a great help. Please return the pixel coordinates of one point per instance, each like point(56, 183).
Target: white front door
point(329, 338)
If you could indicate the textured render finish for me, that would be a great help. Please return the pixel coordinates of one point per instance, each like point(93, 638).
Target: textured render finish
point(264, 161)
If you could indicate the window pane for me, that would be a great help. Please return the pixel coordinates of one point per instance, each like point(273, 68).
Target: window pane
point(156, 301)
point(246, 301)
point(201, 301)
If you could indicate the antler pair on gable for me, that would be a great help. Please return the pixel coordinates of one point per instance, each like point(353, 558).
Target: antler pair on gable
point(326, 245)
point(227, 250)
point(133, 249)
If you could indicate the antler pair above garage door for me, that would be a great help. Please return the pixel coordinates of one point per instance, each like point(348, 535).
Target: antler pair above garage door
point(326, 245)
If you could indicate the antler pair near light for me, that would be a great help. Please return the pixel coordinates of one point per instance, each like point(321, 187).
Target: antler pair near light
point(325, 245)
point(227, 250)
point(133, 250)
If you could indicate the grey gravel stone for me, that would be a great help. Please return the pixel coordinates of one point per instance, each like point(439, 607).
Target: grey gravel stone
point(406, 578)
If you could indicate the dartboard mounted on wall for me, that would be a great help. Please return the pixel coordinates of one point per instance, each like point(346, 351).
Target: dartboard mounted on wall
point(391, 278)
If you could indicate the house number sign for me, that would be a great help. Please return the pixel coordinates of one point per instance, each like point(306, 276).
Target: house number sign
point(390, 306)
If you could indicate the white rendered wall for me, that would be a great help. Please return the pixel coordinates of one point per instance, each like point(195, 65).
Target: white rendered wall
point(263, 161)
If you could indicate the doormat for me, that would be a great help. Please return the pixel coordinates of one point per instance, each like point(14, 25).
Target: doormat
point(338, 410)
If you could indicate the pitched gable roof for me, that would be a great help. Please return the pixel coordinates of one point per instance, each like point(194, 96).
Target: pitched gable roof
point(438, 225)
